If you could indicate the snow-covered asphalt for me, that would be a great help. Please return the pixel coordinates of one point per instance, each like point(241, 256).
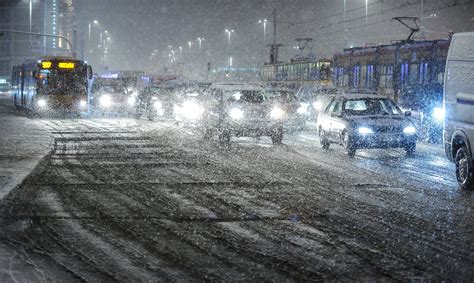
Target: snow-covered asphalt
point(125, 200)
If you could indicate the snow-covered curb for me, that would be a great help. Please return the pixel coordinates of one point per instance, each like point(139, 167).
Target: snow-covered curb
point(23, 143)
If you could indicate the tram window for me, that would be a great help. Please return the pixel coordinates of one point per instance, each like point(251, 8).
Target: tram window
point(355, 76)
point(363, 75)
point(404, 73)
point(413, 73)
point(370, 76)
point(424, 74)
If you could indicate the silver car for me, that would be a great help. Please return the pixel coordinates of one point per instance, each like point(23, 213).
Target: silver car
point(241, 110)
point(359, 121)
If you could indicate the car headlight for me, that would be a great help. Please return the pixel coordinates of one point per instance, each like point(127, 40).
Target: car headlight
point(105, 100)
point(365, 130)
point(82, 103)
point(409, 130)
point(303, 109)
point(277, 113)
point(438, 114)
point(131, 100)
point(191, 110)
point(236, 114)
point(318, 105)
point(157, 105)
point(42, 103)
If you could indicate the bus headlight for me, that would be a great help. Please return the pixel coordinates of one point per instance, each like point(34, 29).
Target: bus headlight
point(105, 101)
point(42, 103)
point(438, 114)
point(82, 104)
point(277, 113)
point(131, 100)
point(236, 113)
point(409, 130)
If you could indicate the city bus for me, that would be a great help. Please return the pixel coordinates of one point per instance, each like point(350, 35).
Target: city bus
point(51, 85)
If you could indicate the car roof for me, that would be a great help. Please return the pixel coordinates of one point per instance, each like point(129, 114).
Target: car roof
point(350, 96)
point(236, 86)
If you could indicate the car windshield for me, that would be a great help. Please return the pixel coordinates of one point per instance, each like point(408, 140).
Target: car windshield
point(366, 106)
point(247, 96)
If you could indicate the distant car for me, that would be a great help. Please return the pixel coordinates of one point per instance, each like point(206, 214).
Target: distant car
point(188, 106)
point(366, 121)
point(110, 95)
point(241, 110)
point(459, 105)
point(297, 112)
point(154, 102)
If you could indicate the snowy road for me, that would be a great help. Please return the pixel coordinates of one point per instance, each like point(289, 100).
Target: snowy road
point(126, 200)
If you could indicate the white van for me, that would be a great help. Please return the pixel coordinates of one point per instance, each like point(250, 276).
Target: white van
point(459, 107)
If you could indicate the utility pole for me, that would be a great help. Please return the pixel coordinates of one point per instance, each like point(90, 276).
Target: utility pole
point(274, 47)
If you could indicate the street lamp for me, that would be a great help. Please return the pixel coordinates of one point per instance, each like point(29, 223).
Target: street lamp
point(200, 39)
point(264, 22)
point(229, 32)
point(90, 27)
point(190, 44)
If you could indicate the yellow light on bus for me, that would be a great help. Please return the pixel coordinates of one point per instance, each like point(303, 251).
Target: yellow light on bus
point(66, 65)
point(46, 65)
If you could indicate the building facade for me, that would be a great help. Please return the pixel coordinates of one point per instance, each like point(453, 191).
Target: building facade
point(54, 17)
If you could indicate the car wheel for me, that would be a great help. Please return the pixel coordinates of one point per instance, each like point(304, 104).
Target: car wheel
point(224, 137)
point(348, 144)
point(277, 135)
point(464, 169)
point(410, 148)
point(323, 139)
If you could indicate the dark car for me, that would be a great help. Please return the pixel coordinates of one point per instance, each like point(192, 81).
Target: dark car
point(241, 110)
point(366, 121)
point(297, 112)
point(155, 102)
point(110, 95)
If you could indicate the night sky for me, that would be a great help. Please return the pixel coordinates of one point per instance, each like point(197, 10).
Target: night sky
point(139, 27)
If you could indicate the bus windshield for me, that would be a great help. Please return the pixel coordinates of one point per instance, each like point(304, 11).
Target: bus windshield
point(56, 81)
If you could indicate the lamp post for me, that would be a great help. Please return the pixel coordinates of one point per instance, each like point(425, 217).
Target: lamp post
point(229, 32)
point(200, 39)
point(264, 23)
point(90, 28)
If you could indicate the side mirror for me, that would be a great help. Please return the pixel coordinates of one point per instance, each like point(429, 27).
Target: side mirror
point(407, 113)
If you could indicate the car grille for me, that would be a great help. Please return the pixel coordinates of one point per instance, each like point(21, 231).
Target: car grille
point(388, 129)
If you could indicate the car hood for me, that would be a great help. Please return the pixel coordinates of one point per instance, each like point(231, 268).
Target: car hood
point(378, 121)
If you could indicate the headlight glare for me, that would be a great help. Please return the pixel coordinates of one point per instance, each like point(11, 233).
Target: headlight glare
point(131, 100)
point(236, 114)
point(318, 105)
point(409, 130)
point(82, 103)
point(438, 113)
point(365, 130)
point(42, 103)
point(157, 105)
point(277, 113)
point(303, 109)
point(105, 101)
